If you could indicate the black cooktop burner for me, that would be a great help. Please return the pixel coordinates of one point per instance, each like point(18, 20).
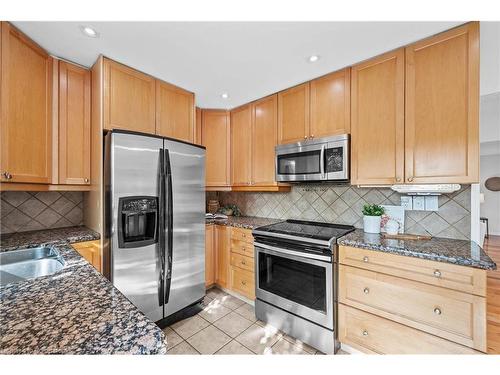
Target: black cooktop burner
point(308, 229)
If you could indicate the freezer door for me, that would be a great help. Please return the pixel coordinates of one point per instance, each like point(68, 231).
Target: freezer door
point(136, 255)
point(187, 283)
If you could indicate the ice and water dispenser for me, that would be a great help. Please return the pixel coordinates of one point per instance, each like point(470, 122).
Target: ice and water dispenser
point(137, 221)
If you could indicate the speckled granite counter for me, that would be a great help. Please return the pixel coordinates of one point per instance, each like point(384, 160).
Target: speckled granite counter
point(73, 311)
point(460, 252)
point(247, 222)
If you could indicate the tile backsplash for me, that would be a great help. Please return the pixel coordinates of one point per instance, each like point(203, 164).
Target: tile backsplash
point(23, 211)
point(343, 204)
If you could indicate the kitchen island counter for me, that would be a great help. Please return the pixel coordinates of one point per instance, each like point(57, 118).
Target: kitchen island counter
point(73, 311)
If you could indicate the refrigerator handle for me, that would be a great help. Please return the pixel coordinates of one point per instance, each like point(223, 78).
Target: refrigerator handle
point(169, 225)
point(160, 228)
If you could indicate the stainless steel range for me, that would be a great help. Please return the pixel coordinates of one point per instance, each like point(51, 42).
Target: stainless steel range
point(296, 287)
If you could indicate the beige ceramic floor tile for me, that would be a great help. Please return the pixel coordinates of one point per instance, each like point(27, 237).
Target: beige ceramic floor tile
point(172, 338)
point(259, 339)
point(285, 347)
point(214, 311)
point(215, 293)
point(300, 344)
point(209, 340)
point(188, 327)
point(233, 324)
point(231, 302)
point(247, 311)
point(183, 348)
point(234, 347)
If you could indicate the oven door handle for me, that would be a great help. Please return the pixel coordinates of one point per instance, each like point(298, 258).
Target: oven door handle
point(299, 254)
point(322, 162)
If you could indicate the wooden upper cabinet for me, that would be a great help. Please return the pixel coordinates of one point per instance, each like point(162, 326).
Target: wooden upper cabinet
point(241, 146)
point(293, 114)
point(129, 98)
point(174, 112)
point(197, 131)
point(74, 124)
point(216, 139)
point(331, 104)
point(442, 99)
point(26, 109)
point(265, 132)
point(377, 120)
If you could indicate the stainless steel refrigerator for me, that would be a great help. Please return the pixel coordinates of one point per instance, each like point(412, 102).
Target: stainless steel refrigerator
point(155, 221)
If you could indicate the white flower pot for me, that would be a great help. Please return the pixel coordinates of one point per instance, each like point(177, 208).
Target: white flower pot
point(371, 224)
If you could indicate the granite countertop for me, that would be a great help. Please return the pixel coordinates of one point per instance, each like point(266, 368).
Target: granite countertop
point(247, 222)
point(460, 252)
point(73, 311)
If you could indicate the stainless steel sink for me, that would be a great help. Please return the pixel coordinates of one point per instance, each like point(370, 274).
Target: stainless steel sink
point(19, 265)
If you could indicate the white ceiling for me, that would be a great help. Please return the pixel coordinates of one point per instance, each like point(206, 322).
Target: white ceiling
point(248, 60)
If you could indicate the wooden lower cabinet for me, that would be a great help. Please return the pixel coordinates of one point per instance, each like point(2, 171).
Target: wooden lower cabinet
point(223, 236)
point(399, 292)
point(210, 255)
point(243, 282)
point(91, 251)
point(369, 333)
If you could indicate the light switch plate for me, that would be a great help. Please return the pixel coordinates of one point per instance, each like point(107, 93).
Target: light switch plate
point(418, 203)
point(431, 203)
point(407, 202)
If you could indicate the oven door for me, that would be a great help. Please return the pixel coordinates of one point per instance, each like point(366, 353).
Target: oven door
point(295, 282)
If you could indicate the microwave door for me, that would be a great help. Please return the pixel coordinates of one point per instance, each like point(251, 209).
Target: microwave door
point(297, 164)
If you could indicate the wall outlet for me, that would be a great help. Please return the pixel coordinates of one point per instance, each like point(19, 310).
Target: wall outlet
point(418, 203)
point(431, 203)
point(407, 202)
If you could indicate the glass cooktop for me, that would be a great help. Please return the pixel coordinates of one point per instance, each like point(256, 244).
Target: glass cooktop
point(307, 229)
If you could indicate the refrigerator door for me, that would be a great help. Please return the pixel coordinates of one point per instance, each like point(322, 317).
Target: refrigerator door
point(187, 227)
point(136, 252)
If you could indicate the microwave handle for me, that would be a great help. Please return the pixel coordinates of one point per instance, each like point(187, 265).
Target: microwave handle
point(322, 162)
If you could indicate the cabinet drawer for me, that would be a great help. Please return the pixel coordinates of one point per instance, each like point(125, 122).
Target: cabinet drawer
point(243, 248)
point(465, 279)
point(243, 282)
point(242, 261)
point(456, 316)
point(372, 334)
point(241, 234)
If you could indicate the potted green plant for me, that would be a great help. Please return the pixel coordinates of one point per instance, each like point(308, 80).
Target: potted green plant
point(372, 214)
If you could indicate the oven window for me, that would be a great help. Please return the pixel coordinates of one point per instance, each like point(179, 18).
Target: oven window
point(296, 281)
point(334, 159)
point(299, 163)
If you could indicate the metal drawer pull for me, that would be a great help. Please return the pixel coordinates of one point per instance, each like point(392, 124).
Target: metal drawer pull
point(437, 273)
point(243, 261)
point(437, 311)
point(365, 259)
point(244, 282)
point(365, 333)
point(366, 291)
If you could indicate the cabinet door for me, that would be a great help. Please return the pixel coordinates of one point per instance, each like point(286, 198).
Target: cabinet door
point(223, 248)
point(209, 255)
point(197, 133)
point(91, 251)
point(265, 131)
point(442, 98)
point(216, 139)
point(174, 112)
point(26, 109)
point(377, 123)
point(129, 99)
point(331, 104)
point(293, 114)
point(74, 124)
point(241, 146)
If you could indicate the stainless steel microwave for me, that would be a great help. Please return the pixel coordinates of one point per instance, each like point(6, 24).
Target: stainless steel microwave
point(321, 159)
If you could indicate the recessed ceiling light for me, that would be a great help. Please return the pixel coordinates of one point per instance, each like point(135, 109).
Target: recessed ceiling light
point(89, 31)
point(224, 95)
point(313, 58)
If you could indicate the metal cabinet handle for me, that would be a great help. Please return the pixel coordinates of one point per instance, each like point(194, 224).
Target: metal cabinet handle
point(437, 311)
point(410, 179)
point(365, 259)
point(244, 282)
point(437, 273)
point(243, 261)
point(86, 180)
point(305, 136)
point(398, 179)
point(311, 136)
point(366, 290)
point(7, 175)
point(365, 333)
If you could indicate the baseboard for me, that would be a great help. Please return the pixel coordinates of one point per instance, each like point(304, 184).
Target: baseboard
point(233, 293)
point(349, 349)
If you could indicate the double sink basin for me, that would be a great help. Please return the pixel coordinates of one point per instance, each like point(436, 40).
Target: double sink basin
point(29, 263)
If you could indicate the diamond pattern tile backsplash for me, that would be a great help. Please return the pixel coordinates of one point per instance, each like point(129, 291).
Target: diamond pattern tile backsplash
point(23, 211)
point(343, 205)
